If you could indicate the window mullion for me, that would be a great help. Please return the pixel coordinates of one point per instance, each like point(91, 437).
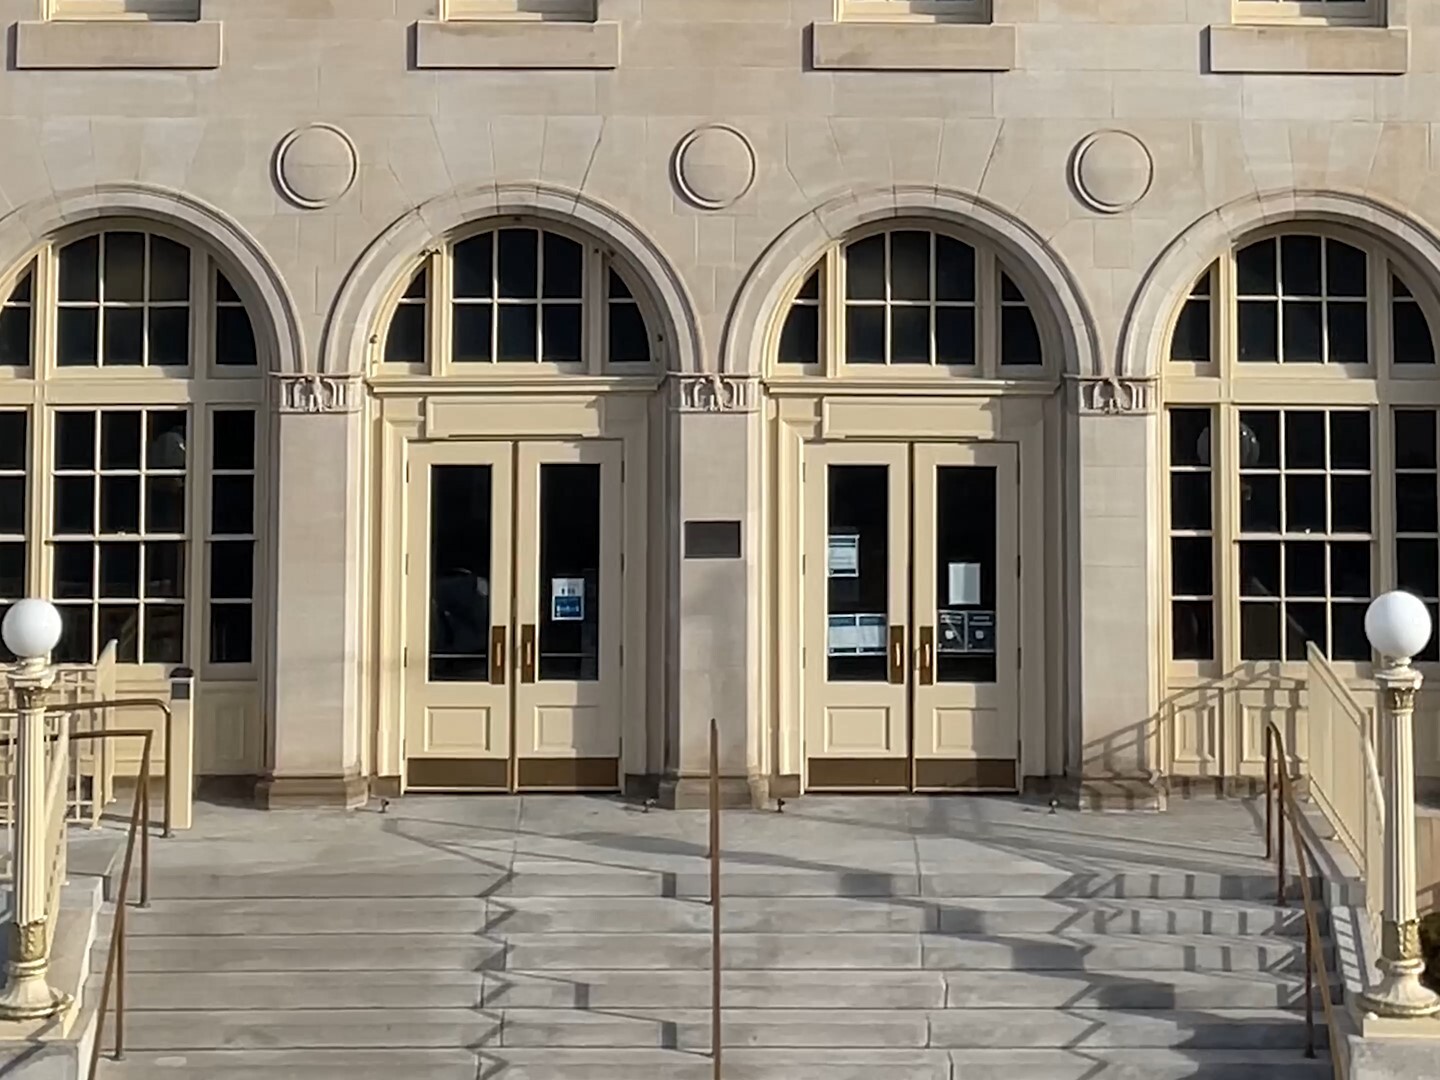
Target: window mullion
point(594, 305)
point(987, 313)
point(1227, 530)
point(832, 298)
point(440, 328)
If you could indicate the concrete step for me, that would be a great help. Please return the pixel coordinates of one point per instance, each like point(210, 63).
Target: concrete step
point(299, 952)
point(1036, 952)
point(689, 1029)
point(551, 878)
point(833, 989)
point(547, 914)
point(740, 1064)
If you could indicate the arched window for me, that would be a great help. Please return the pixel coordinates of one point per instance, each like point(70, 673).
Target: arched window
point(1302, 398)
point(129, 448)
point(515, 298)
point(910, 299)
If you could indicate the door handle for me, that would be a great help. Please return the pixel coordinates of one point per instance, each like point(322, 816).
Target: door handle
point(897, 654)
point(527, 653)
point(927, 656)
point(498, 635)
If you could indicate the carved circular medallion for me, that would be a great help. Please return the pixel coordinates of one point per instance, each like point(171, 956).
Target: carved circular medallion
point(1112, 171)
point(714, 166)
point(316, 165)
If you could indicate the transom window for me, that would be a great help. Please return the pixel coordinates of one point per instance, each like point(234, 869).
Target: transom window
point(1362, 12)
point(913, 300)
point(515, 297)
point(123, 9)
point(917, 10)
point(129, 468)
point(577, 10)
point(1301, 372)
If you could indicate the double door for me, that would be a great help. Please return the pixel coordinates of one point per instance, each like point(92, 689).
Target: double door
point(513, 616)
point(911, 643)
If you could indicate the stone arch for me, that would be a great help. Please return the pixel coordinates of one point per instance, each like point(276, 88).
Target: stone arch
point(1175, 270)
point(792, 253)
point(352, 320)
point(255, 277)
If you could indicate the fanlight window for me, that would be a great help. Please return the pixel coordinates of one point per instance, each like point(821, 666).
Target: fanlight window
point(517, 296)
point(1301, 451)
point(131, 498)
point(912, 300)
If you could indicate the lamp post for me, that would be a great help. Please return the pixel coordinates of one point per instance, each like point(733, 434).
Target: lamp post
point(1398, 626)
point(30, 631)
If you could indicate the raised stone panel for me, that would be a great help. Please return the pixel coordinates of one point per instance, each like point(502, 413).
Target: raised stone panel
point(1314, 50)
point(877, 46)
point(105, 43)
point(517, 44)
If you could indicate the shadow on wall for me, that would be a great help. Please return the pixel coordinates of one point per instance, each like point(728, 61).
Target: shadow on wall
point(1427, 867)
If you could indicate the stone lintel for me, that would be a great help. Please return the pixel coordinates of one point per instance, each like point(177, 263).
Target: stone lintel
point(912, 46)
point(99, 44)
point(512, 43)
point(1309, 50)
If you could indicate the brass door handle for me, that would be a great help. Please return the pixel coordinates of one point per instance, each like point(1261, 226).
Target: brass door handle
point(927, 656)
point(527, 653)
point(498, 635)
point(897, 654)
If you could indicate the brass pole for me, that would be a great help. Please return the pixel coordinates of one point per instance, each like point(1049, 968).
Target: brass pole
point(715, 1041)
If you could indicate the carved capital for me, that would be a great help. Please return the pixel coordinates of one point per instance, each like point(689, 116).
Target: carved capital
point(714, 393)
point(312, 393)
point(1400, 941)
point(1400, 699)
point(27, 941)
point(1114, 395)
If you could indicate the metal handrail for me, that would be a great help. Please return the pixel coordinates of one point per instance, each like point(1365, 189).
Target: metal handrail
point(115, 961)
point(715, 1040)
point(1277, 780)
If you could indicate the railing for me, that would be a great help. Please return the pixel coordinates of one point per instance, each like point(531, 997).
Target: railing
point(1344, 778)
point(1280, 805)
point(57, 775)
point(715, 968)
point(115, 959)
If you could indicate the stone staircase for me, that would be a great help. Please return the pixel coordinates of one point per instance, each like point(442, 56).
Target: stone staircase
point(590, 973)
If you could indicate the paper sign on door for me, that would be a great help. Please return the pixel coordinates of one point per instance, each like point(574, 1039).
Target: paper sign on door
point(964, 584)
point(567, 599)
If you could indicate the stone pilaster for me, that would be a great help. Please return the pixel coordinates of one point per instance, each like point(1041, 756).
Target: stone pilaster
point(318, 487)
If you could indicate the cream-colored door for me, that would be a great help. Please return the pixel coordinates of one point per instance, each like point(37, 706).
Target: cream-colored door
point(857, 614)
point(966, 572)
point(458, 608)
point(569, 603)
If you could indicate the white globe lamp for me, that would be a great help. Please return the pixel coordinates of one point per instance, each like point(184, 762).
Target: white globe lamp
point(1397, 624)
point(31, 629)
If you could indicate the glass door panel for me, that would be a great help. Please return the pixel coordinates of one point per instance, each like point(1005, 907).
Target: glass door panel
point(461, 499)
point(569, 582)
point(965, 574)
point(857, 573)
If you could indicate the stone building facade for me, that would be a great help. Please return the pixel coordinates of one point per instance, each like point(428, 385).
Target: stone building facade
point(939, 394)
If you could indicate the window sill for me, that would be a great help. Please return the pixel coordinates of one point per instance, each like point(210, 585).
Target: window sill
point(912, 46)
point(1309, 50)
point(511, 43)
point(100, 44)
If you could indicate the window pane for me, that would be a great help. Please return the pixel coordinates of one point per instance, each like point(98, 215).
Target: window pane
point(472, 333)
point(561, 333)
point(77, 635)
point(474, 267)
point(1259, 631)
point(800, 337)
point(858, 591)
point(1190, 437)
point(1255, 269)
point(1300, 265)
point(165, 570)
point(120, 440)
point(1349, 440)
point(230, 633)
point(1193, 629)
point(13, 440)
point(865, 269)
point(1260, 568)
point(165, 445)
point(224, 291)
point(232, 509)
point(630, 341)
point(1350, 569)
point(12, 571)
point(1305, 568)
point(1345, 267)
point(165, 504)
point(124, 266)
point(569, 639)
point(1305, 504)
point(955, 335)
point(1260, 439)
point(954, 270)
point(1019, 337)
point(232, 570)
point(124, 336)
point(405, 340)
point(74, 504)
point(164, 633)
point(120, 571)
point(170, 271)
point(1349, 333)
point(1413, 342)
point(1415, 439)
point(1191, 340)
point(1260, 503)
point(119, 504)
point(234, 439)
point(74, 571)
point(910, 265)
point(77, 342)
point(865, 335)
point(15, 336)
point(1305, 440)
point(910, 335)
point(1417, 567)
point(12, 506)
point(120, 623)
point(563, 258)
point(1190, 500)
point(170, 337)
point(80, 270)
point(1259, 341)
point(1191, 566)
point(1350, 504)
point(1303, 335)
point(518, 332)
point(1415, 503)
point(1305, 623)
point(1349, 641)
point(519, 264)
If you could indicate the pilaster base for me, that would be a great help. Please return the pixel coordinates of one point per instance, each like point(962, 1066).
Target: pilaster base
point(1400, 994)
point(307, 792)
point(1114, 794)
point(693, 792)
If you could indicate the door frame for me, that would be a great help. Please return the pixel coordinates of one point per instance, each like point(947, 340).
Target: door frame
point(1027, 417)
point(404, 416)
